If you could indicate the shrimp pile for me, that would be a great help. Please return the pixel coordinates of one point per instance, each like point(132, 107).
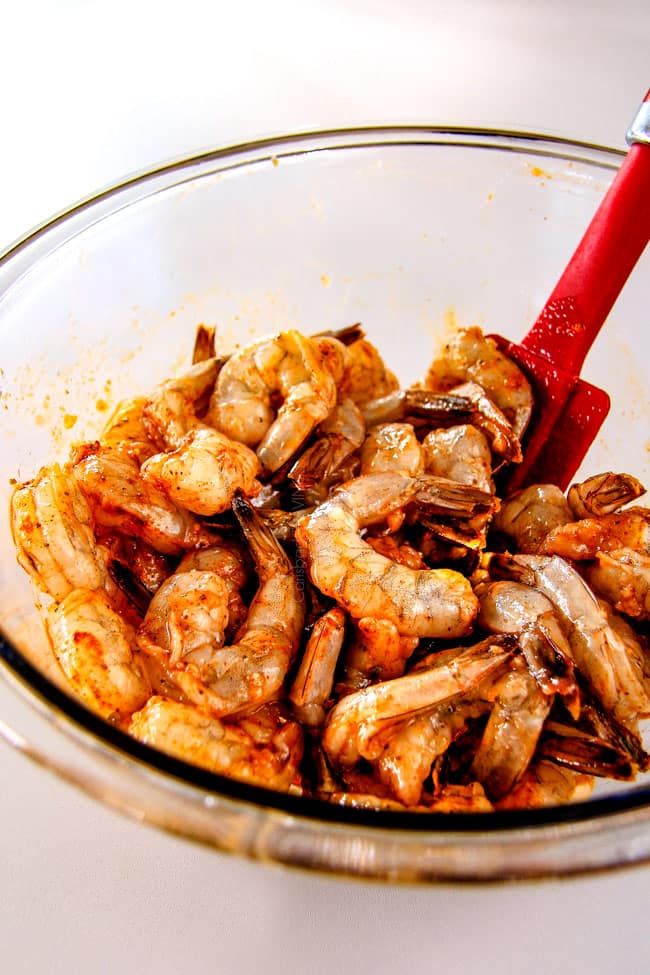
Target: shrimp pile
point(284, 568)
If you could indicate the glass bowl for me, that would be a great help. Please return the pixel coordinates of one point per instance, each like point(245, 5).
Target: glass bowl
point(408, 230)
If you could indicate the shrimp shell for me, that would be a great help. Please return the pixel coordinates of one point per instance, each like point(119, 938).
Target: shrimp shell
point(358, 718)
point(225, 748)
point(96, 650)
point(52, 528)
point(425, 602)
point(469, 355)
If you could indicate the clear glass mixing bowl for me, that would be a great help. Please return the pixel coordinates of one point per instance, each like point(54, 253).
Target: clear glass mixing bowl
point(408, 230)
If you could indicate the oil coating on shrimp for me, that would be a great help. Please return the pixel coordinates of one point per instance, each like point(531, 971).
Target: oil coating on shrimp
point(584, 539)
point(226, 558)
point(427, 602)
point(407, 756)
point(511, 733)
point(528, 516)
point(288, 366)
point(623, 577)
point(170, 412)
point(392, 447)
point(204, 473)
point(547, 784)
point(467, 403)
point(376, 652)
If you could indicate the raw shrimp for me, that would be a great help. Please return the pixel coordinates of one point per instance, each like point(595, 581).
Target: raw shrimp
point(603, 494)
point(227, 560)
point(622, 576)
point(171, 410)
point(469, 355)
point(150, 567)
point(127, 431)
point(202, 468)
point(334, 355)
point(512, 732)
point(619, 545)
point(501, 434)
point(527, 516)
point(356, 725)
point(338, 437)
point(431, 602)
point(366, 376)
point(96, 650)
point(392, 447)
point(585, 539)
point(52, 527)
point(376, 652)
point(547, 784)
point(261, 752)
point(464, 404)
point(204, 473)
point(288, 365)
point(512, 607)
point(314, 680)
point(187, 618)
point(252, 670)
point(122, 499)
point(598, 652)
point(407, 757)
point(460, 453)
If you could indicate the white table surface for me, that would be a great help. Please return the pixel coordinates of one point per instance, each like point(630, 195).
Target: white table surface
point(92, 91)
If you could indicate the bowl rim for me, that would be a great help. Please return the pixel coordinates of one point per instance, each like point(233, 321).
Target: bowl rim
point(523, 140)
point(77, 717)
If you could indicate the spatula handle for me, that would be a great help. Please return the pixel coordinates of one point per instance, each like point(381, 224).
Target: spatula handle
point(603, 260)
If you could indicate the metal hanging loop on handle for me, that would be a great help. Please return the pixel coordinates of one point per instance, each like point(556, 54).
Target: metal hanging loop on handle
point(639, 131)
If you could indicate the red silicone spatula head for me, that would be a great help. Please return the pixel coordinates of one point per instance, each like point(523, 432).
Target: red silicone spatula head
point(569, 412)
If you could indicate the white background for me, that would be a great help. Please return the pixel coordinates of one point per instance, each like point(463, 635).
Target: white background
point(94, 90)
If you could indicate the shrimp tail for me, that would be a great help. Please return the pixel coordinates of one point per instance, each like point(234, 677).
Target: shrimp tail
point(442, 496)
point(582, 752)
point(263, 544)
point(603, 494)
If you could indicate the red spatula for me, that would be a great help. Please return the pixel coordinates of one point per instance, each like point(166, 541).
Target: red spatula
point(569, 412)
